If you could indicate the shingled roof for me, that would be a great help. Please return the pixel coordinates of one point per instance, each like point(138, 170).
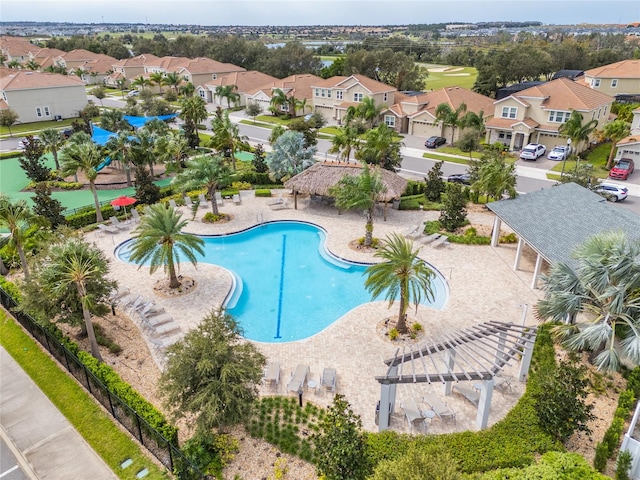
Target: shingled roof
point(554, 221)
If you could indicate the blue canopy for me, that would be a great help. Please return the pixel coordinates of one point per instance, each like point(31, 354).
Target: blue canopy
point(138, 122)
point(101, 136)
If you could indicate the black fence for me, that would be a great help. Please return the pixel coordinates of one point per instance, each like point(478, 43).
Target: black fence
point(161, 448)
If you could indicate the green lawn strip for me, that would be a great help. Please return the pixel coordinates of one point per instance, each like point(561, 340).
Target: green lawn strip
point(553, 176)
point(273, 120)
point(95, 426)
point(457, 151)
point(258, 124)
point(597, 157)
point(21, 129)
point(446, 158)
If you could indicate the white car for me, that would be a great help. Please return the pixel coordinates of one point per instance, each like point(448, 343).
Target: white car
point(612, 192)
point(23, 143)
point(533, 151)
point(133, 93)
point(559, 152)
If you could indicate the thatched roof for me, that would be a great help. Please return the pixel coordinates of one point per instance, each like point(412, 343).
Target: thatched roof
point(317, 179)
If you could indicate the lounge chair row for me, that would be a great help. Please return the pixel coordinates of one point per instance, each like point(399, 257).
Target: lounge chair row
point(299, 377)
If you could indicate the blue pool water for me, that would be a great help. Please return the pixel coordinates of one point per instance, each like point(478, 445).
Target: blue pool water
point(288, 286)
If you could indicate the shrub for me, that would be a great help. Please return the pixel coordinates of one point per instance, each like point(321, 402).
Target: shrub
point(416, 327)
point(210, 217)
point(263, 192)
point(623, 465)
point(241, 185)
point(509, 238)
point(393, 334)
point(602, 455)
point(88, 216)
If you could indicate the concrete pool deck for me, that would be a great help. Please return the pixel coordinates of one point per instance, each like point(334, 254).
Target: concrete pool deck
point(483, 287)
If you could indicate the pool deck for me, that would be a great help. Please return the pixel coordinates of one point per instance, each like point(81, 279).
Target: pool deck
point(482, 283)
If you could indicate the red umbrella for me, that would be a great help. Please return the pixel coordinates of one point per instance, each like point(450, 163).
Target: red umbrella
point(123, 201)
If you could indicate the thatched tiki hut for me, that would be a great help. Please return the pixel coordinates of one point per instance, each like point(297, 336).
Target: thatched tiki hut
point(320, 177)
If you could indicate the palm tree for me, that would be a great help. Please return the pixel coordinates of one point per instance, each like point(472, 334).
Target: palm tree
point(74, 265)
point(141, 82)
point(228, 92)
point(187, 90)
point(32, 65)
point(193, 112)
point(16, 216)
point(279, 100)
point(576, 131)
point(344, 142)
point(603, 287)
point(206, 171)
point(86, 157)
point(159, 241)
point(494, 176)
point(226, 135)
point(381, 147)
point(119, 148)
point(172, 149)
point(450, 117)
point(289, 156)
point(52, 140)
point(360, 192)
point(173, 80)
point(300, 104)
point(157, 78)
point(369, 111)
point(615, 131)
point(113, 120)
point(401, 274)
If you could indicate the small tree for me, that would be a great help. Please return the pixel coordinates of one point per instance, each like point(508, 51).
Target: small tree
point(32, 162)
point(7, 118)
point(147, 192)
point(469, 142)
point(99, 92)
point(48, 207)
point(434, 186)
point(561, 402)
point(453, 214)
point(341, 452)
point(259, 159)
point(212, 374)
point(253, 109)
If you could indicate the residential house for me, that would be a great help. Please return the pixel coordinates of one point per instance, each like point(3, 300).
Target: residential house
point(95, 72)
point(536, 114)
point(16, 49)
point(620, 78)
point(415, 113)
point(243, 81)
point(39, 96)
point(629, 147)
point(45, 57)
point(333, 96)
point(127, 69)
point(75, 59)
point(202, 70)
point(296, 86)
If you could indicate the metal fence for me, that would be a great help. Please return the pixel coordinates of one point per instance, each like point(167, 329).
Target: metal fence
point(161, 448)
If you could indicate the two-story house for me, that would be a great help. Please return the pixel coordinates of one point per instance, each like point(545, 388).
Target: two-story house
point(127, 69)
point(16, 49)
point(629, 147)
point(333, 96)
point(620, 78)
point(536, 114)
point(202, 70)
point(39, 96)
point(299, 87)
point(244, 82)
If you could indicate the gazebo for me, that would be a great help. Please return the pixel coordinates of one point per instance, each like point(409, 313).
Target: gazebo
point(320, 177)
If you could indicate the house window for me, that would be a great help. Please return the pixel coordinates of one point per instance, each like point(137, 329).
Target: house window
point(599, 112)
point(316, 92)
point(614, 83)
point(214, 76)
point(329, 93)
point(323, 93)
point(357, 97)
point(384, 97)
point(38, 112)
point(559, 117)
point(185, 78)
point(201, 92)
point(505, 137)
point(595, 83)
point(339, 95)
point(390, 121)
point(46, 112)
point(509, 112)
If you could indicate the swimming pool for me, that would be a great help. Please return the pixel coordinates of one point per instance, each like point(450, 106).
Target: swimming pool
point(288, 286)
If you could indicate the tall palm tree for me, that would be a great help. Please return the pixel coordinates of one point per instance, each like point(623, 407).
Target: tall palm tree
point(369, 111)
point(301, 105)
point(52, 140)
point(206, 171)
point(226, 135)
point(157, 78)
point(450, 117)
point(86, 157)
point(172, 150)
point(360, 192)
point(173, 80)
point(603, 287)
point(119, 149)
point(113, 120)
point(577, 131)
point(159, 241)
point(188, 89)
point(16, 216)
point(228, 92)
point(401, 274)
point(32, 65)
point(193, 112)
point(279, 100)
point(141, 82)
point(615, 131)
point(380, 147)
point(74, 265)
point(344, 142)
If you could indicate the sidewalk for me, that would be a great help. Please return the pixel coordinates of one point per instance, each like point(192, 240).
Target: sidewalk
point(46, 444)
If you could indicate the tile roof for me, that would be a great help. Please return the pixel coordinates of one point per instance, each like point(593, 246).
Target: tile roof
point(623, 69)
point(48, 52)
point(630, 140)
point(25, 80)
point(452, 96)
point(207, 65)
point(564, 94)
point(100, 65)
point(504, 123)
point(244, 81)
point(80, 54)
point(298, 86)
point(371, 85)
point(139, 61)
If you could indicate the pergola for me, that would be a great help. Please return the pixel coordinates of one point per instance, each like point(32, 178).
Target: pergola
point(320, 177)
point(478, 353)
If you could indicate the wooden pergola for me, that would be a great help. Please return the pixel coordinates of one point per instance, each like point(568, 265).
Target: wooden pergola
point(320, 177)
point(478, 353)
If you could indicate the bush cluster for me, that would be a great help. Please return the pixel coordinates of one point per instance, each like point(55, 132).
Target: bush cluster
point(263, 192)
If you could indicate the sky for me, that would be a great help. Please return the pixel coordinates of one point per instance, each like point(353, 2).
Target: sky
point(319, 12)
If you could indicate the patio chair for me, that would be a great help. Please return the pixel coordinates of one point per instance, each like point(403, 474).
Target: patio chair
point(298, 378)
point(439, 407)
point(135, 215)
point(431, 238)
point(412, 414)
point(172, 204)
point(503, 383)
point(328, 379)
point(187, 201)
point(236, 199)
point(117, 223)
point(219, 199)
point(276, 201)
point(271, 374)
point(165, 329)
point(443, 240)
point(469, 394)
point(203, 200)
point(280, 206)
point(415, 231)
point(107, 228)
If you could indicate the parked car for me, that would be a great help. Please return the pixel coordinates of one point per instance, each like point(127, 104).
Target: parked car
point(67, 132)
point(435, 142)
point(463, 178)
point(559, 152)
point(622, 169)
point(612, 192)
point(22, 144)
point(133, 93)
point(533, 151)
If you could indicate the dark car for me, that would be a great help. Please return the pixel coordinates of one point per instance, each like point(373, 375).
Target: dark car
point(435, 142)
point(622, 169)
point(463, 178)
point(67, 132)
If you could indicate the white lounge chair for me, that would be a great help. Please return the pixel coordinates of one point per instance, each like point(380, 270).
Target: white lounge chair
point(276, 201)
point(415, 231)
point(271, 374)
point(431, 238)
point(107, 228)
point(328, 379)
point(298, 378)
point(117, 223)
point(443, 240)
point(439, 407)
point(280, 206)
point(203, 200)
point(469, 394)
point(412, 414)
point(172, 204)
point(135, 215)
point(236, 199)
point(219, 199)
point(187, 201)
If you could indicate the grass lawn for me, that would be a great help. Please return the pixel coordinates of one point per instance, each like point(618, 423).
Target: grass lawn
point(258, 124)
point(457, 151)
point(95, 426)
point(597, 157)
point(446, 158)
point(441, 76)
point(20, 129)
